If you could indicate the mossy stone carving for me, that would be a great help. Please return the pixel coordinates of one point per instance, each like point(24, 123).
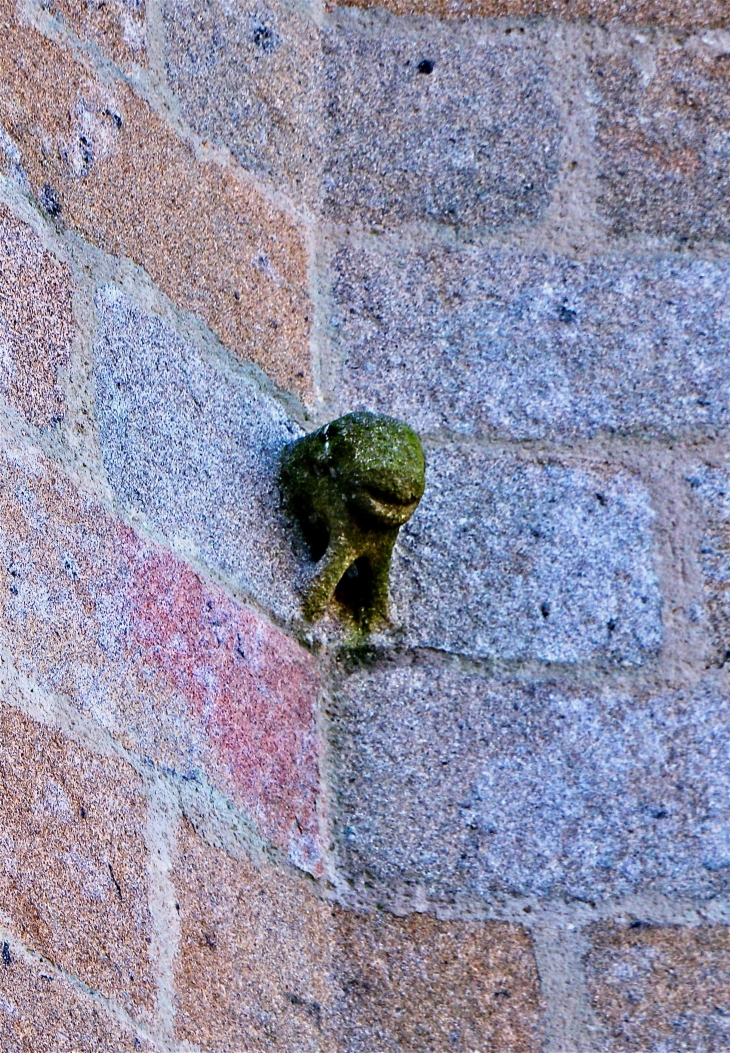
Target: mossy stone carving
point(352, 485)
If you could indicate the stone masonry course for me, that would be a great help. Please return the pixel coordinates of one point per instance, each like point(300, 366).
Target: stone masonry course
point(100, 161)
point(500, 820)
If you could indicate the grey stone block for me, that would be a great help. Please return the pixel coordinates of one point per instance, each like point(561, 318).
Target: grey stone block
point(194, 448)
point(530, 346)
point(249, 76)
point(663, 138)
point(510, 560)
point(473, 786)
point(427, 121)
point(710, 488)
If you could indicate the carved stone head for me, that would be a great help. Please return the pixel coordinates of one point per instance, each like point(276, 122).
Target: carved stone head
point(352, 484)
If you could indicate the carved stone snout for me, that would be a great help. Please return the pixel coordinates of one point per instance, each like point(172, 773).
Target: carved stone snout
point(352, 484)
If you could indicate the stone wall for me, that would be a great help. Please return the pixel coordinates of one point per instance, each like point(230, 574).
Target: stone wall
point(502, 823)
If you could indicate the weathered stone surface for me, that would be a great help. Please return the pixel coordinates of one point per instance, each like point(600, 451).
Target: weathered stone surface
point(194, 448)
point(102, 162)
point(73, 872)
point(438, 125)
point(661, 989)
point(511, 560)
point(117, 27)
point(474, 785)
point(36, 322)
point(252, 965)
point(262, 964)
point(171, 665)
point(41, 1013)
point(416, 984)
point(710, 489)
point(679, 14)
point(663, 135)
point(533, 346)
point(250, 76)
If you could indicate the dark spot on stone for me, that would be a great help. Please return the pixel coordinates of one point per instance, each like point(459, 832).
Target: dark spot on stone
point(660, 813)
point(637, 924)
point(70, 568)
point(312, 1009)
point(601, 500)
point(115, 118)
point(611, 625)
point(567, 314)
point(264, 36)
point(49, 201)
point(545, 609)
point(426, 66)
point(83, 813)
point(7, 957)
point(502, 994)
point(87, 150)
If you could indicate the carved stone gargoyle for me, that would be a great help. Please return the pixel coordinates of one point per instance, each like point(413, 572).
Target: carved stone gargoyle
point(352, 485)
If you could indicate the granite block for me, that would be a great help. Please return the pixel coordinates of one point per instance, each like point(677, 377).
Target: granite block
point(173, 667)
point(474, 785)
point(36, 322)
point(709, 487)
point(117, 27)
point(252, 968)
point(263, 964)
point(40, 1012)
point(195, 448)
point(101, 162)
point(73, 862)
point(435, 125)
point(509, 560)
point(416, 984)
point(663, 139)
point(249, 76)
point(661, 988)
point(532, 346)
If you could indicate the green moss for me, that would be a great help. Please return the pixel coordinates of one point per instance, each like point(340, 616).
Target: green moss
point(352, 484)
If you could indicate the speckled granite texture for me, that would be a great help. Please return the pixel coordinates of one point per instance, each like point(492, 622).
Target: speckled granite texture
point(498, 819)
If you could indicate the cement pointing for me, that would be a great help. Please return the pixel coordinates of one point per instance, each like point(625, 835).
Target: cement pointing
point(511, 560)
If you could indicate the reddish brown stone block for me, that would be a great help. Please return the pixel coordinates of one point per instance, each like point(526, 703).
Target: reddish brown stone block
point(73, 874)
point(172, 666)
point(661, 987)
point(36, 322)
point(116, 26)
point(102, 162)
point(677, 14)
point(249, 686)
point(263, 964)
point(663, 116)
point(42, 1013)
point(252, 965)
point(416, 984)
